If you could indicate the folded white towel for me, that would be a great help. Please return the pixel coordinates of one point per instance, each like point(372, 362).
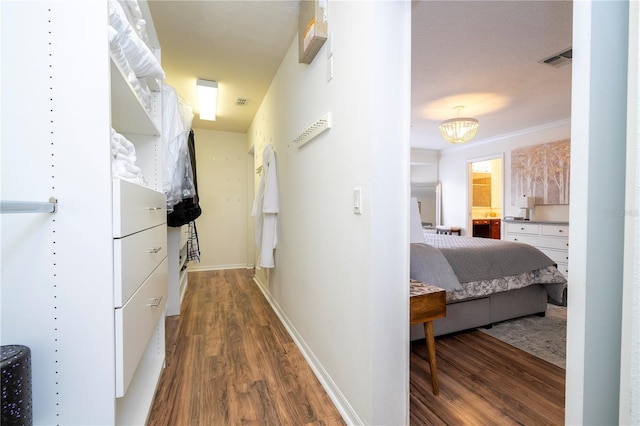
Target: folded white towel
point(140, 57)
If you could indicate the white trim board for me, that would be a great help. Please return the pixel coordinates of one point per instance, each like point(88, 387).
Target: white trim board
point(346, 411)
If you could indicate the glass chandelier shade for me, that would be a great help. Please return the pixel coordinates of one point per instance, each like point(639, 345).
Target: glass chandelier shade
point(459, 129)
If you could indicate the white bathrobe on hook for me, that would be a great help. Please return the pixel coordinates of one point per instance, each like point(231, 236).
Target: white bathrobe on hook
point(266, 208)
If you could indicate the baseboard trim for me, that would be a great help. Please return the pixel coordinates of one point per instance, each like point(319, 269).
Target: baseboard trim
point(197, 268)
point(346, 411)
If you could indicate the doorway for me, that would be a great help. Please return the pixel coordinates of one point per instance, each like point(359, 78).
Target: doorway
point(485, 189)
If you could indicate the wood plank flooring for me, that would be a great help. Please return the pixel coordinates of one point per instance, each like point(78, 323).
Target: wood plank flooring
point(230, 361)
point(484, 381)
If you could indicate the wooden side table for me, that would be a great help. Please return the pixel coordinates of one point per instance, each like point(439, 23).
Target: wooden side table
point(427, 303)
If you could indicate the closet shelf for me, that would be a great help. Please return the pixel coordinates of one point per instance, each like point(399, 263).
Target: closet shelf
point(128, 114)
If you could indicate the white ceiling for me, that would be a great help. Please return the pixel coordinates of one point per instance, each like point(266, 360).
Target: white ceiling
point(240, 44)
point(483, 55)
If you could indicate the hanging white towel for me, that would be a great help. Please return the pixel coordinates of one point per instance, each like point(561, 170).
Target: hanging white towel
point(266, 208)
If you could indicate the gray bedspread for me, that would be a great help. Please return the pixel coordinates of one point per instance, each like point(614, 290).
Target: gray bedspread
point(476, 259)
point(474, 267)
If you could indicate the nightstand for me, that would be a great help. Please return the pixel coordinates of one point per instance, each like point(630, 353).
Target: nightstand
point(428, 303)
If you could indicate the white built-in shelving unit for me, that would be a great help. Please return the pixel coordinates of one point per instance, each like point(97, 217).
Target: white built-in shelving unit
point(85, 287)
point(178, 277)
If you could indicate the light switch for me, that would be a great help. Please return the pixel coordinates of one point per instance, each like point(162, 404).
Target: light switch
point(357, 201)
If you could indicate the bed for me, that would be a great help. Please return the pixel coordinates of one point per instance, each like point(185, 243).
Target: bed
point(486, 280)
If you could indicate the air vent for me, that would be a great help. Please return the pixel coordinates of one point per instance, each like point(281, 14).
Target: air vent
point(559, 59)
point(241, 101)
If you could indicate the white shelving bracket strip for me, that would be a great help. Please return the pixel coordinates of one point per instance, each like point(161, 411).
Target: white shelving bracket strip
point(50, 206)
point(320, 125)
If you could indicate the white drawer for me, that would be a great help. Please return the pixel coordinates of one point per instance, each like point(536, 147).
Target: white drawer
point(136, 208)
point(135, 323)
point(523, 228)
point(558, 256)
point(135, 257)
point(540, 242)
point(555, 230)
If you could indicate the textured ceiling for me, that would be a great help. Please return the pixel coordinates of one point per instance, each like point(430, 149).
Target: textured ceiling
point(240, 44)
point(483, 55)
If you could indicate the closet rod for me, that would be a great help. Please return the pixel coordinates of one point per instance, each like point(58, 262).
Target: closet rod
point(50, 206)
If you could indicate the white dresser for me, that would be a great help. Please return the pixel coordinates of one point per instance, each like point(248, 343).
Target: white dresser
point(552, 238)
point(140, 274)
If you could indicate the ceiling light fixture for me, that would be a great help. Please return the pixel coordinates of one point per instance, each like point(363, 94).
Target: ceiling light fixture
point(207, 99)
point(459, 129)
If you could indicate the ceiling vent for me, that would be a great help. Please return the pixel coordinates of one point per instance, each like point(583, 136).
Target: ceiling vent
point(559, 59)
point(241, 101)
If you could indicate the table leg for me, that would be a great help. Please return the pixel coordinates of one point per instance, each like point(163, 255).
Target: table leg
point(431, 351)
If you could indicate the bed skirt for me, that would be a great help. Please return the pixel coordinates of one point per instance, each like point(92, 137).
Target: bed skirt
point(484, 311)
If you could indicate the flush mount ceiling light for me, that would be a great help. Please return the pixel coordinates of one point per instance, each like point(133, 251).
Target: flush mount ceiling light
point(459, 129)
point(207, 99)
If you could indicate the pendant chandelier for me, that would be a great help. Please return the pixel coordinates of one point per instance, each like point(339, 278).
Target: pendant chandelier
point(459, 129)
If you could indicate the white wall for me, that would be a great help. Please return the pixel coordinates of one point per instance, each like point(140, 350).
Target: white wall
point(454, 173)
point(598, 157)
point(221, 164)
point(424, 165)
point(340, 282)
point(630, 349)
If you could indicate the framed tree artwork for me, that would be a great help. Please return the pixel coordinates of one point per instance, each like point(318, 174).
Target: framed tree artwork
point(542, 171)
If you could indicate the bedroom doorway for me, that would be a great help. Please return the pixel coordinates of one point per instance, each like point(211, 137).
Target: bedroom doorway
point(485, 189)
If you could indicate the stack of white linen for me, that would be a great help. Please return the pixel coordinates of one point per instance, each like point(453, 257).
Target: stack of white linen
point(123, 160)
point(129, 49)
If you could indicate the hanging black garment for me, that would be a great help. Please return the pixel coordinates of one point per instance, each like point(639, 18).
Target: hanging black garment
point(188, 209)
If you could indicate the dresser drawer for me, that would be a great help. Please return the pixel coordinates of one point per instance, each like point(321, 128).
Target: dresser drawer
point(135, 257)
point(555, 230)
point(136, 208)
point(558, 256)
point(523, 228)
point(135, 323)
point(539, 242)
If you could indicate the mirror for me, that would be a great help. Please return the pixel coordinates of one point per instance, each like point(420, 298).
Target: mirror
point(429, 197)
point(481, 189)
point(485, 188)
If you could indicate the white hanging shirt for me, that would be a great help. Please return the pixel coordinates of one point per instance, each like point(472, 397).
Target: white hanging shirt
point(266, 208)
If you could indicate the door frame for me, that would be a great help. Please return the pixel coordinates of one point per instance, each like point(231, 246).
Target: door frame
point(470, 161)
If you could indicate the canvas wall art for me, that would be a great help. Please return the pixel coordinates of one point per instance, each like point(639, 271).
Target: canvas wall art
point(541, 171)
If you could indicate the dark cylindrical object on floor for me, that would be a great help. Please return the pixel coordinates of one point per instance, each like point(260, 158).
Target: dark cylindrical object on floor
point(16, 385)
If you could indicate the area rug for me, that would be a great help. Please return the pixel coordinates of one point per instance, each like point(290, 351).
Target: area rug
point(544, 337)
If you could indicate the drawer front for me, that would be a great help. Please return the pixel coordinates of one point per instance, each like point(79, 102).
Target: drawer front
point(555, 230)
point(135, 257)
point(427, 307)
point(558, 256)
point(523, 228)
point(135, 323)
point(540, 242)
point(136, 208)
